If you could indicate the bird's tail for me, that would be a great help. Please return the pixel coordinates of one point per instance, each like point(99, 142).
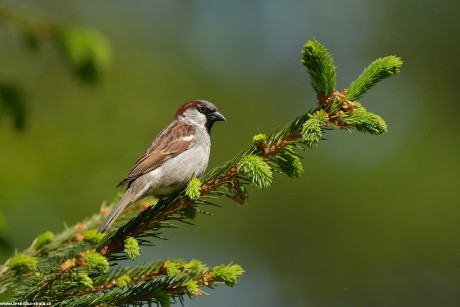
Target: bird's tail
point(124, 202)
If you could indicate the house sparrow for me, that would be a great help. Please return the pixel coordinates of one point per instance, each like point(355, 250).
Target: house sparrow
point(179, 152)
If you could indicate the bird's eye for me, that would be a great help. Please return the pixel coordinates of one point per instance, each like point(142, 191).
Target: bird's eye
point(202, 109)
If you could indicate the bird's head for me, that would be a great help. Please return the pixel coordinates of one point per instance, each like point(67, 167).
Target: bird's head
point(200, 113)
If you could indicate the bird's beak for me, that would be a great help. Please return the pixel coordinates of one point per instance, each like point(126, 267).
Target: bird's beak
point(216, 116)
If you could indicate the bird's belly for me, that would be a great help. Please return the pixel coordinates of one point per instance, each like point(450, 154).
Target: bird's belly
point(175, 174)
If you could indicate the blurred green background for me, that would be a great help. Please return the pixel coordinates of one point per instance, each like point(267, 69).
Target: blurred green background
point(374, 221)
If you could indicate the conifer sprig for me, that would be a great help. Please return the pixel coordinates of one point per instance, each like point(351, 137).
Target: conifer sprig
point(157, 282)
point(377, 71)
point(320, 66)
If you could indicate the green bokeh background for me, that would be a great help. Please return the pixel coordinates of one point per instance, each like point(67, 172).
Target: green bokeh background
point(374, 221)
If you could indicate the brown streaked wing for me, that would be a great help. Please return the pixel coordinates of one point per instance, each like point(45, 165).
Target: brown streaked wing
point(168, 144)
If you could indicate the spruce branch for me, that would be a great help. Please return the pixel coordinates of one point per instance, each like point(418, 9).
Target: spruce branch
point(364, 121)
point(288, 162)
point(255, 169)
point(156, 282)
point(312, 130)
point(320, 67)
point(78, 267)
point(377, 71)
point(132, 248)
point(193, 189)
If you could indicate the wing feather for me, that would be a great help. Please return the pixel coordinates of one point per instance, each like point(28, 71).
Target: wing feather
point(170, 142)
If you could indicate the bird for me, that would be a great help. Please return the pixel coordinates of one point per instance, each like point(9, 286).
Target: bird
point(177, 154)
